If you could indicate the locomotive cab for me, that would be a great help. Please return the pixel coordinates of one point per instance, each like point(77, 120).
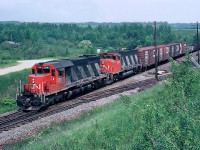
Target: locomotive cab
point(38, 80)
point(44, 79)
point(110, 63)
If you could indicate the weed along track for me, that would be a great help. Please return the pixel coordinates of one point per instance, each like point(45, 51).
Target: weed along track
point(21, 118)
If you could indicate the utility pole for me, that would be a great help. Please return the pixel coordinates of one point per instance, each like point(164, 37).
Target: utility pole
point(198, 40)
point(156, 52)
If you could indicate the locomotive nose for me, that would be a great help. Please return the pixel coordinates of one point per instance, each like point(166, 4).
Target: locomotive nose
point(37, 83)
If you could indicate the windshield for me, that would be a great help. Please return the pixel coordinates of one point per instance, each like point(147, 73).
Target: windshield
point(43, 70)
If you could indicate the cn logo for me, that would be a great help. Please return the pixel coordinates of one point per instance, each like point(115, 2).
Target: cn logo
point(35, 86)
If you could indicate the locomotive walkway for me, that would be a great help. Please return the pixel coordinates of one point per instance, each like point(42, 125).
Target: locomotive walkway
point(23, 64)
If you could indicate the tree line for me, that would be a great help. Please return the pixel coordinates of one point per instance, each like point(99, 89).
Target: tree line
point(36, 40)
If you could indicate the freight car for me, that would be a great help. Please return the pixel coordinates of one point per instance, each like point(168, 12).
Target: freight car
point(58, 80)
point(146, 55)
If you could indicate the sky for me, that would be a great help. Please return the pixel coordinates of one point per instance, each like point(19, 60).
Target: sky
point(172, 11)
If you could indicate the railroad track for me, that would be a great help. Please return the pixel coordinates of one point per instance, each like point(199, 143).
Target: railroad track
point(20, 118)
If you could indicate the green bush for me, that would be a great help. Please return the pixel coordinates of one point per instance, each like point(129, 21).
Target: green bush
point(5, 45)
point(171, 117)
point(7, 104)
point(7, 101)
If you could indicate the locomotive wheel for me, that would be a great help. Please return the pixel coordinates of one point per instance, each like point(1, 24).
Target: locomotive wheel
point(115, 77)
point(120, 76)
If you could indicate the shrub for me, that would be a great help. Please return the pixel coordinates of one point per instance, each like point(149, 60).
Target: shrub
point(170, 116)
point(7, 101)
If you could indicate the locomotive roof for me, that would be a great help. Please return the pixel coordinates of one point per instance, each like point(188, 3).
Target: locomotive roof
point(84, 57)
point(121, 52)
point(62, 63)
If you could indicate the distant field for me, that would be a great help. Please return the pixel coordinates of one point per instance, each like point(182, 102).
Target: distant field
point(7, 63)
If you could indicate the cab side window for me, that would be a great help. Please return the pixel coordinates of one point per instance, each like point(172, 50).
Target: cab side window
point(33, 71)
point(46, 70)
point(113, 57)
point(60, 73)
point(53, 72)
point(39, 71)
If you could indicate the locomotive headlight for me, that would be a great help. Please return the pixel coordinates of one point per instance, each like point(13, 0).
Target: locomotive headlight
point(20, 94)
point(35, 95)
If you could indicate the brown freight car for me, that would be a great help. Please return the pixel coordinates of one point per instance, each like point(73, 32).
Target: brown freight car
point(146, 55)
point(175, 49)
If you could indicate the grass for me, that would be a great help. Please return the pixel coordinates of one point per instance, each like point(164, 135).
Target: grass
point(10, 81)
point(8, 89)
point(164, 117)
point(7, 63)
point(7, 108)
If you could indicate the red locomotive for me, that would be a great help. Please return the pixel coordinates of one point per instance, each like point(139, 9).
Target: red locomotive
point(45, 78)
point(58, 80)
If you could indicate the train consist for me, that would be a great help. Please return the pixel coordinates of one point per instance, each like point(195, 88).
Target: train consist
point(58, 80)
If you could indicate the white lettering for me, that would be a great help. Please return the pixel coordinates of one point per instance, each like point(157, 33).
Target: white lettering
point(34, 85)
